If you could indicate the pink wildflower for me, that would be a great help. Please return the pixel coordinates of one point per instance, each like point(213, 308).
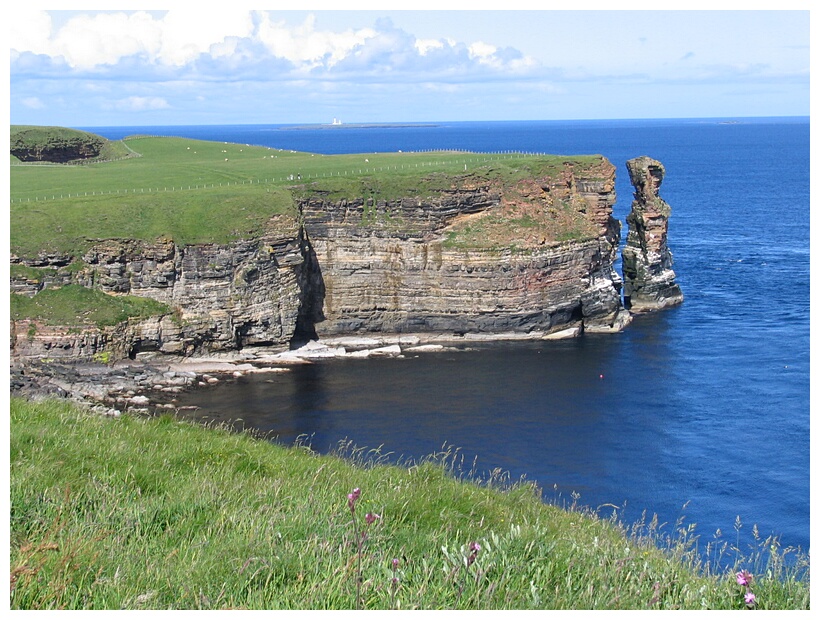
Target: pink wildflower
point(474, 549)
point(744, 578)
point(395, 563)
point(352, 497)
point(749, 598)
point(371, 518)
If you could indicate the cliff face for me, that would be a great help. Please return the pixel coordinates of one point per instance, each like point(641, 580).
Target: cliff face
point(649, 282)
point(225, 296)
point(477, 255)
point(473, 259)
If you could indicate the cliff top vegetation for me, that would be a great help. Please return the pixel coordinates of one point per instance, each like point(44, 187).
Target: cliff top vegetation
point(80, 306)
point(29, 143)
point(195, 191)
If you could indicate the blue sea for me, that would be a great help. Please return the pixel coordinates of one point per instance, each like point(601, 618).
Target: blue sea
point(698, 413)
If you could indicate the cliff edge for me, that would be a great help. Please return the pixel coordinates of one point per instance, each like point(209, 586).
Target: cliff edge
point(516, 251)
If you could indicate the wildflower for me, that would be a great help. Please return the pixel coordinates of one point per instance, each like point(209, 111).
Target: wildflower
point(371, 518)
point(352, 497)
point(744, 578)
point(474, 549)
point(395, 579)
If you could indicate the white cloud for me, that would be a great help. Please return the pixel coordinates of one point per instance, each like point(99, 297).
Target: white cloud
point(33, 103)
point(30, 30)
point(305, 45)
point(426, 45)
point(187, 33)
point(140, 104)
point(87, 41)
point(482, 51)
point(250, 45)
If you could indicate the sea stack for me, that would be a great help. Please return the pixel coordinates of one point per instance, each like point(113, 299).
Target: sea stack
point(649, 282)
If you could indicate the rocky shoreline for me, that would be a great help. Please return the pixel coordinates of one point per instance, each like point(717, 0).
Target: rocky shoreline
point(150, 384)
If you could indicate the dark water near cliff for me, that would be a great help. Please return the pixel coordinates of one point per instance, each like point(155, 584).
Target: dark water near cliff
point(706, 404)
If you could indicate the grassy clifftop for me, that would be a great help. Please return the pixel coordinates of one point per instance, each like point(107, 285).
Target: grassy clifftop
point(60, 145)
point(198, 191)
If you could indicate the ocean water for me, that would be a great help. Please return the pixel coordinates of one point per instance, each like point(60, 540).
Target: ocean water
point(698, 412)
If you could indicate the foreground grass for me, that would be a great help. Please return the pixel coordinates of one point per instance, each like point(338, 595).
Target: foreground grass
point(134, 513)
point(213, 215)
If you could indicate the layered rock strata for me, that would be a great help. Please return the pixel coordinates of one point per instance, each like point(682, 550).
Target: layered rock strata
point(649, 281)
point(475, 257)
point(224, 297)
point(397, 266)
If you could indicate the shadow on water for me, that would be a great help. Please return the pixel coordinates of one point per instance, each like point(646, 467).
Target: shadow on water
point(544, 410)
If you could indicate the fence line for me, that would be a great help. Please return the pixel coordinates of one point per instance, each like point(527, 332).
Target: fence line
point(290, 177)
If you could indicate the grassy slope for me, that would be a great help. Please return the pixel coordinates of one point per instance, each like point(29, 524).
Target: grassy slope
point(76, 305)
point(133, 513)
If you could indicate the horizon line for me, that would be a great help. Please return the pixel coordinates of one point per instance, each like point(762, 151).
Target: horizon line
point(397, 122)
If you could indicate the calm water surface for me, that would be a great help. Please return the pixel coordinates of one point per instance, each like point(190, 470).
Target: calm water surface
point(705, 405)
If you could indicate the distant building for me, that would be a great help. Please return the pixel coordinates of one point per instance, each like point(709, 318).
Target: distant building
point(336, 121)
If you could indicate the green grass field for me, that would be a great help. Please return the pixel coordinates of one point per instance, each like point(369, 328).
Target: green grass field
point(199, 192)
point(167, 163)
point(137, 513)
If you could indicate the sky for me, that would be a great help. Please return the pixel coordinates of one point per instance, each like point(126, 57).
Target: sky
point(230, 65)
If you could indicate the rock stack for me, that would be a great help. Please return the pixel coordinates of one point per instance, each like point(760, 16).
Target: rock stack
point(649, 282)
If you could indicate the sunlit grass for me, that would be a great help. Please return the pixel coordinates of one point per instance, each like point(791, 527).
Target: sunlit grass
point(194, 191)
point(214, 215)
point(134, 513)
point(167, 163)
point(78, 305)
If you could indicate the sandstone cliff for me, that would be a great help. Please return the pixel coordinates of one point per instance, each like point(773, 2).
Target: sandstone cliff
point(478, 257)
point(649, 282)
point(473, 253)
point(225, 297)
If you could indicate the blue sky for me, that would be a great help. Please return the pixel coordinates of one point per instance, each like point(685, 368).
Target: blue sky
point(226, 65)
